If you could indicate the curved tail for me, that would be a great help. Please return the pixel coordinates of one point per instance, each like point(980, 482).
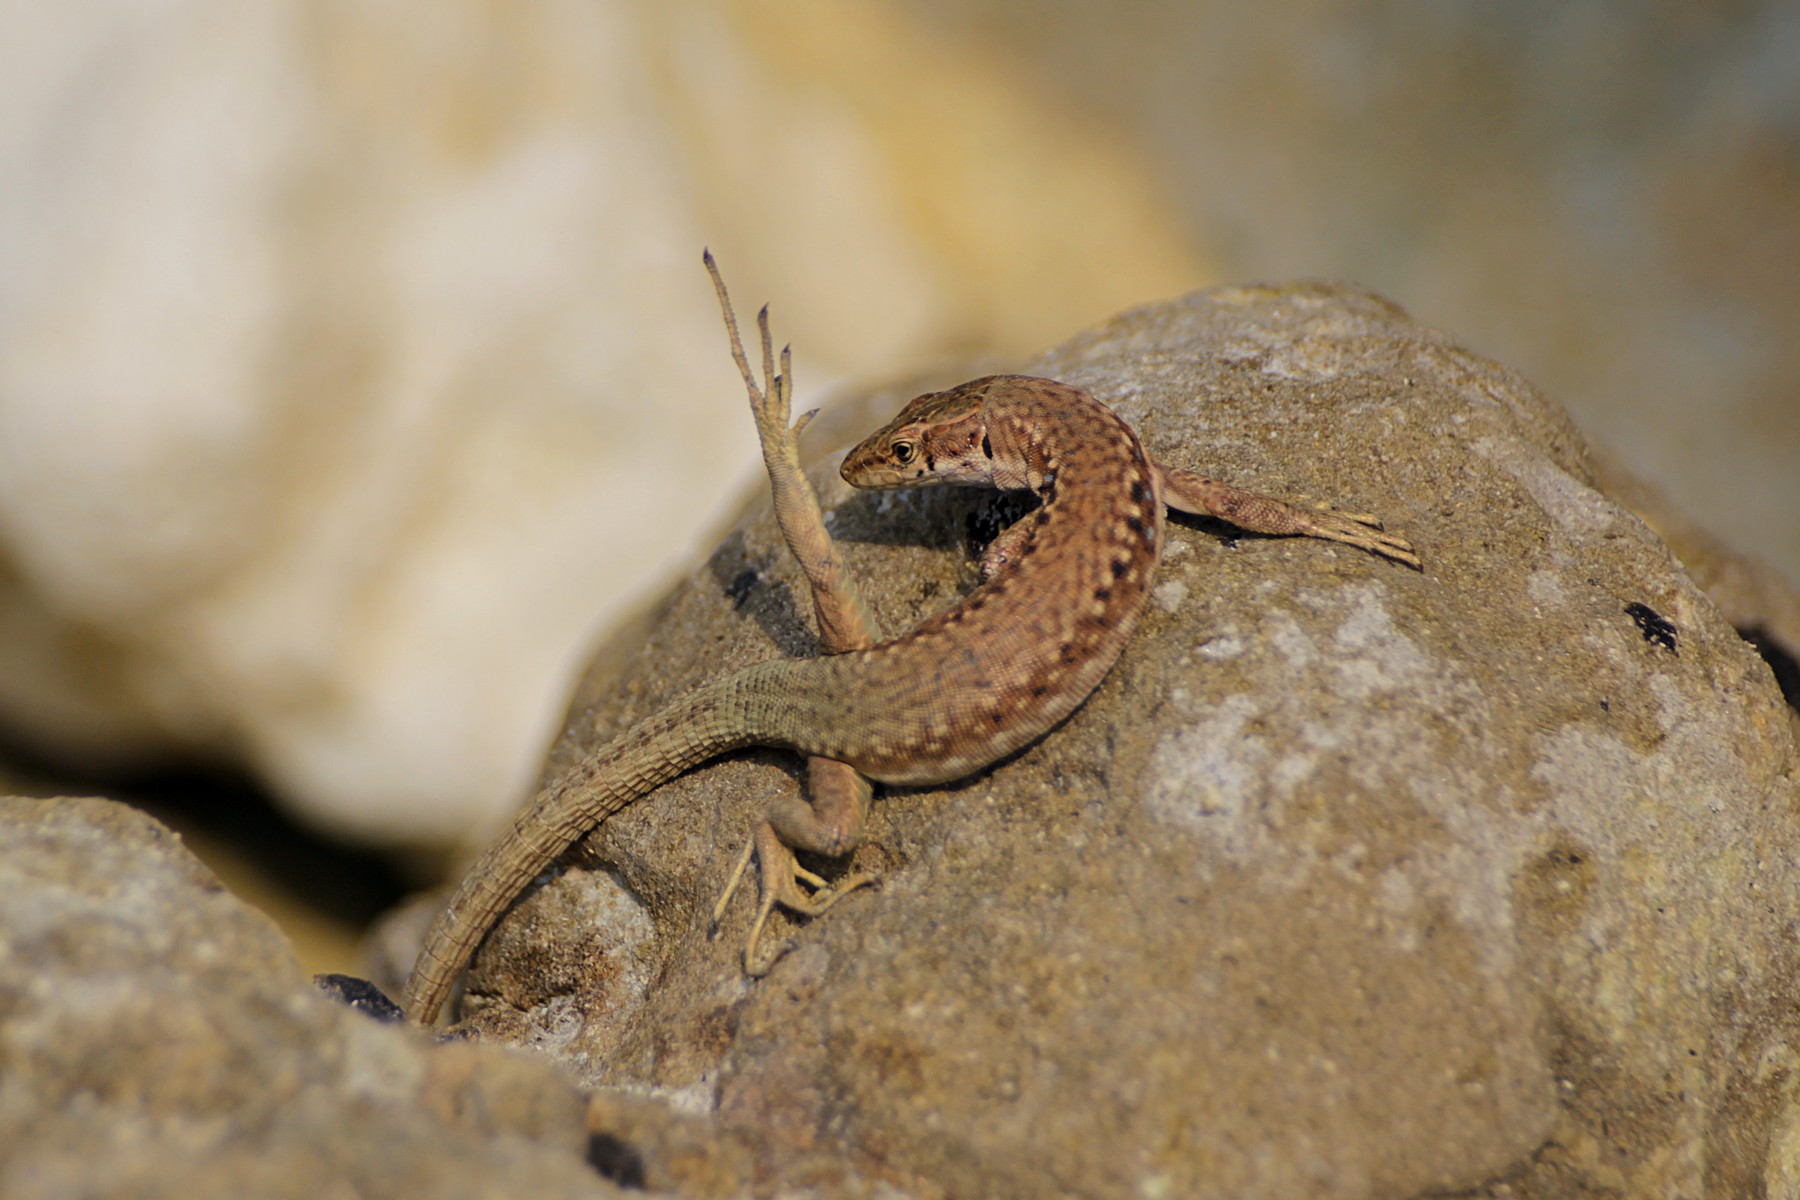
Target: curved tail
point(701, 725)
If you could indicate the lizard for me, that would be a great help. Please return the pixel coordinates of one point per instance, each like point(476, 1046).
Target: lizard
point(1060, 593)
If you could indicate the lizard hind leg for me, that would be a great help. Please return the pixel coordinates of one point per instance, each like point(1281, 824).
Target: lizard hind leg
point(830, 825)
point(1253, 511)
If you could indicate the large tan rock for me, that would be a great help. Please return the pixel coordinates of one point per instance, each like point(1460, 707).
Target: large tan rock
point(1349, 881)
point(157, 1039)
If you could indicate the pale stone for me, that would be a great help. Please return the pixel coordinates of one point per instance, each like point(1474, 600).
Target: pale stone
point(356, 364)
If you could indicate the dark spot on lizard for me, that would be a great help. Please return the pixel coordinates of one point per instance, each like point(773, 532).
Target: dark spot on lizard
point(741, 586)
point(996, 718)
point(1119, 567)
point(1066, 652)
point(987, 447)
point(1137, 492)
point(1653, 625)
point(1103, 593)
point(1038, 690)
point(1134, 523)
point(1043, 517)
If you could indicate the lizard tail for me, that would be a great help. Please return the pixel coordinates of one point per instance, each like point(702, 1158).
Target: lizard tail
point(701, 725)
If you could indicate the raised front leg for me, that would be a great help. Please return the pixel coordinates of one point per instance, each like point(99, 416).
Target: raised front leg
point(832, 823)
point(1191, 493)
point(1003, 549)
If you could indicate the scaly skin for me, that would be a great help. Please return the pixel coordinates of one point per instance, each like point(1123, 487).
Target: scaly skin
point(1064, 589)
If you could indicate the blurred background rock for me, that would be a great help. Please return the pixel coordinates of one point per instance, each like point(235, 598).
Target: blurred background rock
point(357, 369)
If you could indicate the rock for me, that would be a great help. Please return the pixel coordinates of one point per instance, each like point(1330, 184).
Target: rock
point(1349, 881)
point(158, 1040)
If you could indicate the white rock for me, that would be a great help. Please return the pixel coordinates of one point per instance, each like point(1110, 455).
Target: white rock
point(356, 365)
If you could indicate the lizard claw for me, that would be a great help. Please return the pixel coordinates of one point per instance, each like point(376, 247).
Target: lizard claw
point(1326, 506)
point(784, 882)
point(1365, 535)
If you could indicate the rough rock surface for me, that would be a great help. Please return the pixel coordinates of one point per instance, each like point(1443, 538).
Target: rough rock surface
point(1349, 881)
point(157, 1039)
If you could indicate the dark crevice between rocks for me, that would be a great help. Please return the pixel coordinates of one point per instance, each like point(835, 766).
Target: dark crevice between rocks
point(1782, 661)
point(617, 1160)
point(360, 995)
point(347, 884)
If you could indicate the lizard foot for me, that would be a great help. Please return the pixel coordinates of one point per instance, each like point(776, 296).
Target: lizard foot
point(771, 404)
point(1360, 530)
point(783, 882)
point(1187, 492)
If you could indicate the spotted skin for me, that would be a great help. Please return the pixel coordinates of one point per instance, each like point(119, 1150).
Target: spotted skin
point(1064, 588)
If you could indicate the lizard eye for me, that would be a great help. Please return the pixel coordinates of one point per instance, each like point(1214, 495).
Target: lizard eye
point(905, 452)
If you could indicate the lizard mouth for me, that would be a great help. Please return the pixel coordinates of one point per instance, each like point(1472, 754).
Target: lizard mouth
point(859, 472)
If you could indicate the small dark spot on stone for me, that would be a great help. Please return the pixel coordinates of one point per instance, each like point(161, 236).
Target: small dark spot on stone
point(1653, 625)
point(616, 1159)
point(1605, 706)
point(359, 994)
point(739, 589)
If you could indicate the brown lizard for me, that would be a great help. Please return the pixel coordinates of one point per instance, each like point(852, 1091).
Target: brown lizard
point(1061, 592)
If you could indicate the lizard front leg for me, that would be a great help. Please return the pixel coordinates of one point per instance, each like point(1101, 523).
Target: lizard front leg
point(832, 823)
point(1187, 492)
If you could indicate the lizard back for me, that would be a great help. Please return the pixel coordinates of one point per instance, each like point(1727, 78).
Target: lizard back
point(999, 668)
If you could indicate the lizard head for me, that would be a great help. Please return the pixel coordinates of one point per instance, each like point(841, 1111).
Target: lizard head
point(940, 437)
